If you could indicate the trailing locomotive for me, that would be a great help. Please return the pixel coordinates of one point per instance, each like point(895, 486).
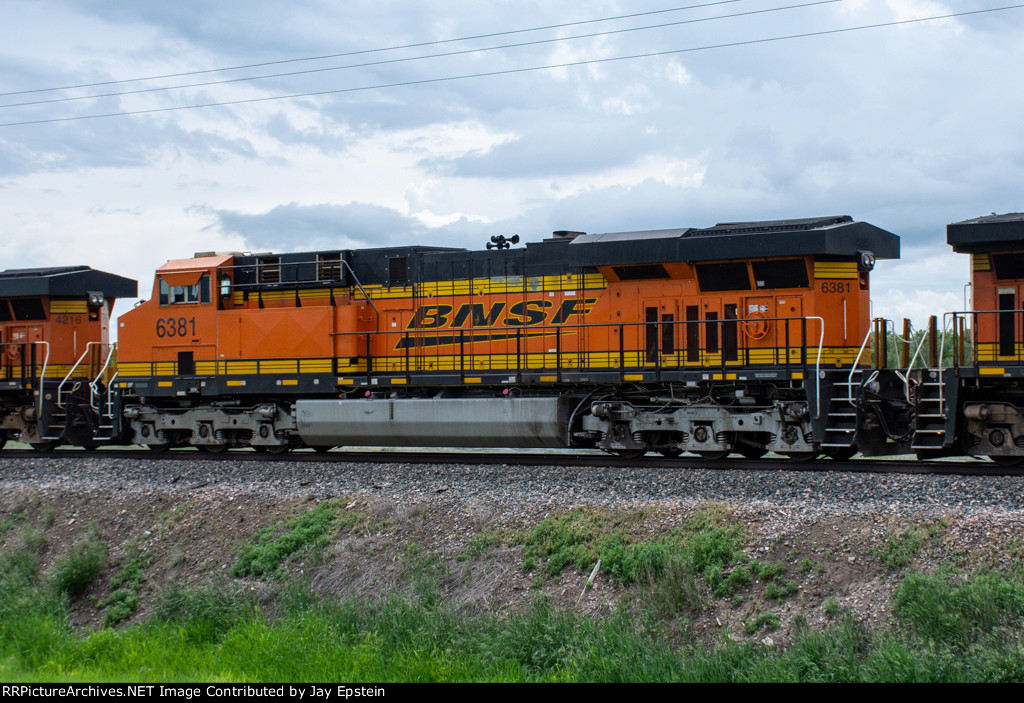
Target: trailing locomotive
point(55, 359)
point(742, 337)
point(975, 405)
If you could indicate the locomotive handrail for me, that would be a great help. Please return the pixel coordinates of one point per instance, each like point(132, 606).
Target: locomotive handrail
point(93, 391)
point(363, 291)
point(42, 377)
point(817, 365)
point(899, 374)
point(920, 346)
point(853, 366)
point(60, 387)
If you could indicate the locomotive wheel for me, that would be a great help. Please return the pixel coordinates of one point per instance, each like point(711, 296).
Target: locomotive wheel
point(841, 453)
point(214, 448)
point(322, 449)
point(1007, 460)
point(671, 453)
point(802, 456)
point(44, 446)
point(278, 449)
point(157, 448)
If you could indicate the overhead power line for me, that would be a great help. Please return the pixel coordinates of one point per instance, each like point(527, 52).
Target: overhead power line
point(420, 58)
point(361, 52)
point(527, 69)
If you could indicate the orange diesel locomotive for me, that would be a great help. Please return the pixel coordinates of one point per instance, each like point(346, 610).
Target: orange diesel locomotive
point(740, 337)
point(54, 350)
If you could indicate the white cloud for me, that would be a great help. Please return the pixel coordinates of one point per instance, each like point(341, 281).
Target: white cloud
point(908, 135)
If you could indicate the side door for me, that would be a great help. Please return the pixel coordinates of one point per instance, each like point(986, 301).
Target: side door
point(662, 333)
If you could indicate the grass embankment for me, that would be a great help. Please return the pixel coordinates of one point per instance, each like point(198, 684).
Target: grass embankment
point(947, 627)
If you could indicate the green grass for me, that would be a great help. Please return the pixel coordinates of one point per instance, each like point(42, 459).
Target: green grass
point(125, 586)
point(308, 533)
point(946, 630)
point(764, 621)
point(901, 549)
point(75, 571)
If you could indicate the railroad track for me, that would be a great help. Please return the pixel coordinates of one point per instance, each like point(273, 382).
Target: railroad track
point(950, 467)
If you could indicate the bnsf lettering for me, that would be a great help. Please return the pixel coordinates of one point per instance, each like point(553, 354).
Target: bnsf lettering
point(431, 317)
point(522, 314)
point(479, 318)
point(527, 313)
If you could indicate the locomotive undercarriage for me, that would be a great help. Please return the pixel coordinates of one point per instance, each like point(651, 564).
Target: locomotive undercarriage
point(266, 426)
point(709, 420)
point(994, 428)
point(708, 430)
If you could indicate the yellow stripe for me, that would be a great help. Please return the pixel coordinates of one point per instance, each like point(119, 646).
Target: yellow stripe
point(236, 383)
point(401, 364)
point(474, 379)
point(548, 379)
point(798, 375)
point(989, 371)
point(397, 381)
point(981, 262)
point(314, 366)
point(474, 286)
point(68, 306)
point(290, 382)
point(835, 269)
point(164, 384)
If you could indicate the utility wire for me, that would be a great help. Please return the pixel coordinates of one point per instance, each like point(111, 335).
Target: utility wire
point(528, 69)
point(372, 51)
point(419, 58)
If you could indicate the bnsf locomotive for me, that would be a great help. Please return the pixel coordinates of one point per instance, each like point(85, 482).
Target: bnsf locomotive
point(739, 338)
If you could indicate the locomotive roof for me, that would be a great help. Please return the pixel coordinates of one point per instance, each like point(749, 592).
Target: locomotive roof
point(988, 233)
point(64, 281)
point(836, 235)
point(832, 236)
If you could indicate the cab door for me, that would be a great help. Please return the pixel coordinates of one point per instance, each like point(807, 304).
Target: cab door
point(661, 331)
point(1009, 299)
point(789, 336)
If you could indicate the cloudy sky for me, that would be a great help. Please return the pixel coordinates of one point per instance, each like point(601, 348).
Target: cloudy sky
point(732, 116)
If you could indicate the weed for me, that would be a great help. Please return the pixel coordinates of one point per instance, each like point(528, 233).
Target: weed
point(574, 538)
point(205, 614)
point(983, 608)
point(123, 600)
point(768, 620)
point(808, 565)
point(480, 545)
point(831, 605)
point(8, 524)
point(901, 549)
point(32, 540)
point(76, 569)
point(767, 571)
point(779, 590)
point(171, 516)
point(310, 532)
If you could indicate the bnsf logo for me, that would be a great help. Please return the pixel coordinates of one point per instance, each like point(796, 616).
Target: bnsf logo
point(525, 313)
